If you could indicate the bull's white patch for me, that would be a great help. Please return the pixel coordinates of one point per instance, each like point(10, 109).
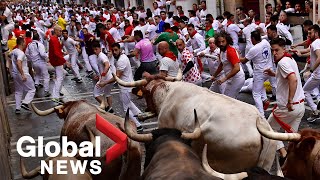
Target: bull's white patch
point(68, 149)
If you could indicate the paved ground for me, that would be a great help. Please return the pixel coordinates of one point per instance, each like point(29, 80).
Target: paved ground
point(29, 124)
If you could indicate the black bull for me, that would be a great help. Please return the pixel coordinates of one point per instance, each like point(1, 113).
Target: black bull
point(77, 116)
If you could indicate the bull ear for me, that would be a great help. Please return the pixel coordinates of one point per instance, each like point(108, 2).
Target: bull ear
point(306, 145)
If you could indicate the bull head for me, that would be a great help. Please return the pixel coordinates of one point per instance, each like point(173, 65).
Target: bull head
point(149, 137)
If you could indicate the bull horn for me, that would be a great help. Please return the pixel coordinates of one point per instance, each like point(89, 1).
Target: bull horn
point(275, 135)
point(141, 82)
point(177, 78)
point(214, 173)
point(33, 173)
point(45, 112)
point(197, 131)
point(133, 135)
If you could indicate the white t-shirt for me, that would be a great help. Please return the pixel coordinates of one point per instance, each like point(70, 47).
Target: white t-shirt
point(7, 13)
point(195, 21)
point(233, 30)
point(102, 58)
point(123, 64)
point(247, 35)
point(152, 31)
point(283, 31)
point(261, 57)
point(313, 57)
point(156, 12)
point(287, 66)
point(70, 44)
point(115, 34)
point(212, 59)
point(169, 65)
point(16, 55)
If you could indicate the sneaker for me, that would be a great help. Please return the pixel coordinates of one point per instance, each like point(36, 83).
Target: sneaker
point(273, 98)
point(56, 100)
point(75, 78)
point(40, 86)
point(111, 110)
point(314, 116)
point(61, 94)
point(25, 106)
point(90, 73)
point(36, 86)
point(18, 111)
point(47, 94)
point(78, 80)
point(266, 104)
point(139, 129)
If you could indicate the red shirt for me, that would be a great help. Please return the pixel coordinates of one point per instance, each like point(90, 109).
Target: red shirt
point(17, 32)
point(128, 30)
point(232, 55)
point(55, 52)
point(107, 38)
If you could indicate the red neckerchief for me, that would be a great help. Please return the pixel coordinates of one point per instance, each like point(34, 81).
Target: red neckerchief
point(170, 55)
point(176, 24)
point(181, 15)
point(168, 30)
point(163, 19)
point(194, 33)
point(284, 55)
point(208, 27)
point(229, 23)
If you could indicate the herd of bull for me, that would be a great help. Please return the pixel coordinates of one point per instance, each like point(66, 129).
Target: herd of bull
point(200, 135)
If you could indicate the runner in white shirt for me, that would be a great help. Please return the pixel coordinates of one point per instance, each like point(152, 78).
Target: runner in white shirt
point(100, 89)
point(7, 24)
point(36, 53)
point(314, 80)
point(211, 56)
point(151, 31)
point(23, 82)
point(233, 30)
point(261, 57)
point(156, 9)
point(113, 31)
point(290, 96)
point(71, 47)
point(124, 72)
point(230, 64)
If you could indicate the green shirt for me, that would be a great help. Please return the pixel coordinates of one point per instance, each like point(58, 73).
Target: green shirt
point(170, 39)
point(209, 34)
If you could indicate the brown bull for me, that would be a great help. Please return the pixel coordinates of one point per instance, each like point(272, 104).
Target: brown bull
point(169, 154)
point(54, 176)
point(303, 158)
point(79, 114)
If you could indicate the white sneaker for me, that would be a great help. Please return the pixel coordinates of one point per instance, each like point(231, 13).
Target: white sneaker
point(314, 116)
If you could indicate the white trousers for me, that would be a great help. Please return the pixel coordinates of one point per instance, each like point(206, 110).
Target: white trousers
point(293, 118)
point(41, 69)
point(5, 31)
point(73, 59)
point(258, 90)
point(22, 87)
point(308, 88)
point(86, 58)
point(58, 81)
point(233, 86)
point(100, 91)
point(125, 98)
point(218, 88)
point(94, 63)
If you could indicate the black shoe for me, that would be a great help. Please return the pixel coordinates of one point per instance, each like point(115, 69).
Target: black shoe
point(90, 73)
point(61, 94)
point(78, 80)
point(18, 111)
point(75, 78)
point(273, 98)
point(25, 106)
point(109, 109)
point(36, 86)
point(282, 160)
point(47, 94)
point(139, 129)
point(40, 86)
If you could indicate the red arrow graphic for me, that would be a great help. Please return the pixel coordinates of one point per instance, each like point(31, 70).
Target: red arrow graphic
point(116, 135)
